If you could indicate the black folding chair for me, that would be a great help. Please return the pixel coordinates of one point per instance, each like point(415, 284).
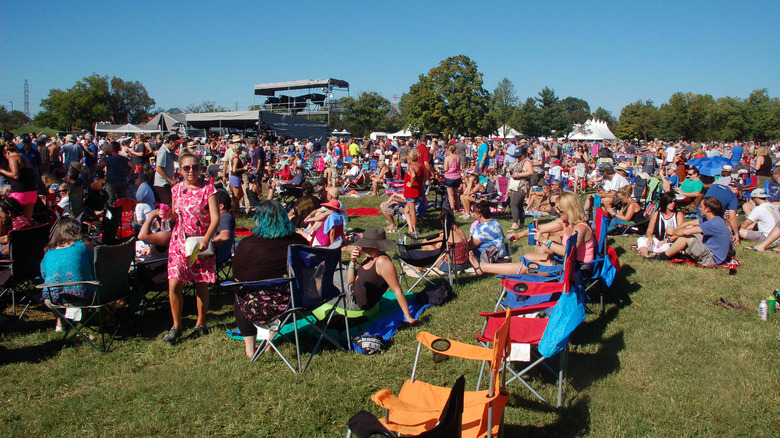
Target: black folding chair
point(24, 266)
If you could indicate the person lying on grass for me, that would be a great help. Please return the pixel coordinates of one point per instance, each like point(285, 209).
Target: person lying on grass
point(571, 219)
point(707, 241)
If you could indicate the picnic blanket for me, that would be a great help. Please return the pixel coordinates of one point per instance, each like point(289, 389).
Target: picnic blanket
point(731, 265)
point(364, 211)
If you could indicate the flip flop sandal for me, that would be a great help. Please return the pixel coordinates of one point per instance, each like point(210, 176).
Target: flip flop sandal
point(752, 248)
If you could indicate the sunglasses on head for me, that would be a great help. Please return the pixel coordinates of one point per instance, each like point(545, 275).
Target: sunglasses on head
point(194, 168)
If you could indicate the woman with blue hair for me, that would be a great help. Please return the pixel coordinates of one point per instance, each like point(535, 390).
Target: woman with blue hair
point(263, 256)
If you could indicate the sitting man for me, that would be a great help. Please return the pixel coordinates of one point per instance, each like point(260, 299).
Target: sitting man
point(763, 214)
point(707, 242)
point(226, 232)
point(304, 205)
point(612, 183)
point(690, 189)
point(395, 204)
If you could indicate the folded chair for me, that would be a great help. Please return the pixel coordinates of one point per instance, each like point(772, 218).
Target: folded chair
point(417, 407)
point(549, 337)
point(315, 278)
point(111, 264)
point(25, 249)
point(366, 425)
point(518, 291)
point(602, 273)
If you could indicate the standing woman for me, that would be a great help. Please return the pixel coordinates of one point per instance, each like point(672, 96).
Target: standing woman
point(520, 184)
point(237, 169)
point(21, 178)
point(452, 176)
point(763, 166)
point(195, 213)
point(413, 188)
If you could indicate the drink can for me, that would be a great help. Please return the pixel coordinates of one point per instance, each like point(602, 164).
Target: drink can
point(763, 311)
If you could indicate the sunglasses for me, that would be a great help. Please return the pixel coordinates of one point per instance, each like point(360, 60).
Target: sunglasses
point(193, 168)
point(62, 191)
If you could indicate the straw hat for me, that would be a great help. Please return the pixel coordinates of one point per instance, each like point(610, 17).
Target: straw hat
point(236, 139)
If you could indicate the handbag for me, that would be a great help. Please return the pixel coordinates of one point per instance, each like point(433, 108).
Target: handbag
point(192, 242)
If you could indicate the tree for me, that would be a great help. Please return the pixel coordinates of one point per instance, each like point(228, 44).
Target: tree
point(763, 113)
point(553, 117)
point(370, 111)
point(730, 118)
point(527, 118)
point(449, 99)
point(207, 106)
point(638, 120)
point(577, 110)
point(10, 120)
point(605, 116)
point(504, 102)
point(689, 116)
point(94, 99)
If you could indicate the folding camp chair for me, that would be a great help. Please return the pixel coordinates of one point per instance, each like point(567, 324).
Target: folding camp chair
point(417, 407)
point(25, 249)
point(366, 425)
point(518, 291)
point(501, 198)
point(111, 264)
point(358, 183)
point(315, 278)
point(424, 262)
point(602, 275)
point(550, 337)
point(149, 284)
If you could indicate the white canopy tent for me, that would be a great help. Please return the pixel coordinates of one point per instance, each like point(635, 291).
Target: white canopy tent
point(507, 131)
point(401, 133)
point(592, 130)
point(128, 128)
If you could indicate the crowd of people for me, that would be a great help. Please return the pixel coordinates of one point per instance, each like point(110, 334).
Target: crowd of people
point(188, 191)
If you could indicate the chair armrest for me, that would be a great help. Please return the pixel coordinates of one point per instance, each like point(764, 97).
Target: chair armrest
point(456, 349)
point(520, 311)
point(72, 283)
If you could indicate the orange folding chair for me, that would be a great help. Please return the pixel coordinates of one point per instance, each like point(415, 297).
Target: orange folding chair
point(418, 405)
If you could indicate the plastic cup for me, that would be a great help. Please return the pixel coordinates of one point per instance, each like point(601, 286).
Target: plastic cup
point(531, 237)
point(771, 304)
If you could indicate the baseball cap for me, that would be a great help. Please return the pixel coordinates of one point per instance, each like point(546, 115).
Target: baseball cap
point(758, 193)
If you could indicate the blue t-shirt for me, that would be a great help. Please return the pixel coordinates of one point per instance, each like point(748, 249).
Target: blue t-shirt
point(736, 155)
point(723, 194)
point(674, 180)
point(116, 169)
point(482, 151)
point(333, 219)
point(716, 237)
point(91, 159)
point(490, 233)
point(144, 194)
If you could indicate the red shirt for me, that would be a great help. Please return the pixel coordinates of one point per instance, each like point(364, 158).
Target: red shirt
point(425, 157)
point(418, 184)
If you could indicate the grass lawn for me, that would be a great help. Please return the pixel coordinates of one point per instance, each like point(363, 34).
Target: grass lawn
point(661, 361)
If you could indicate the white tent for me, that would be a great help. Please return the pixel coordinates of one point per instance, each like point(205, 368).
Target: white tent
point(592, 130)
point(378, 134)
point(509, 131)
point(401, 133)
point(126, 129)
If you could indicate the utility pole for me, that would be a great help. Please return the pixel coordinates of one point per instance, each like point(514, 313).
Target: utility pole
point(27, 99)
point(12, 105)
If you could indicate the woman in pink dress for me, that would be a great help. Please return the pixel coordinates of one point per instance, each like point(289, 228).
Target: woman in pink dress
point(195, 213)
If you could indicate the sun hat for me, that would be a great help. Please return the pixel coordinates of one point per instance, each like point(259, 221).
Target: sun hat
point(334, 204)
point(758, 193)
point(622, 166)
point(70, 137)
point(375, 237)
point(236, 139)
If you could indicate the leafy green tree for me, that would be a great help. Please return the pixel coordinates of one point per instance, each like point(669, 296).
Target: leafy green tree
point(94, 99)
point(369, 112)
point(730, 119)
point(504, 102)
point(449, 99)
point(10, 120)
point(638, 120)
point(577, 110)
point(689, 116)
point(527, 118)
point(207, 106)
point(605, 116)
point(763, 113)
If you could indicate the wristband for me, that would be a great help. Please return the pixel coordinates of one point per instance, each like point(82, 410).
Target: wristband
point(549, 242)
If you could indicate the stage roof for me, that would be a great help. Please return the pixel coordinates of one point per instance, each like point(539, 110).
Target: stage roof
point(271, 88)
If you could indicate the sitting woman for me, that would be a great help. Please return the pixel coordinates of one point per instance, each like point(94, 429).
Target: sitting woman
point(630, 212)
point(487, 237)
point(663, 220)
point(370, 279)
point(12, 218)
point(471, 188)
point(63, 206)
point(263, 256)
point(457, 241)
point(325, 227)
point(379, 178)
point(572, 219)
point(304, 205)
point(67, 259)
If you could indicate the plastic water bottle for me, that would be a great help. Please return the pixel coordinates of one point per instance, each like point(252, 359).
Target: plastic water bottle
point(763, 310)
point(165, 216)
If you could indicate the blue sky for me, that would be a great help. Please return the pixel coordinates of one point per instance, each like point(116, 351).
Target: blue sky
point(608, 53)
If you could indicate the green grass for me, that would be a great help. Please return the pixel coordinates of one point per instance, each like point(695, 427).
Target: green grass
point(26, 129)
point(661, 361)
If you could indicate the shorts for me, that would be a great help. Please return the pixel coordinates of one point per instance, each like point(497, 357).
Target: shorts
point(415, 201)
point(393, 207)
point(755, 236)
point(25, 198)
point(454, 183)
point(235, 181)
point(699, 251)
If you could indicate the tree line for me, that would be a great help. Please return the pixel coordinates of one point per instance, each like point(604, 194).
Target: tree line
point(451, 99)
